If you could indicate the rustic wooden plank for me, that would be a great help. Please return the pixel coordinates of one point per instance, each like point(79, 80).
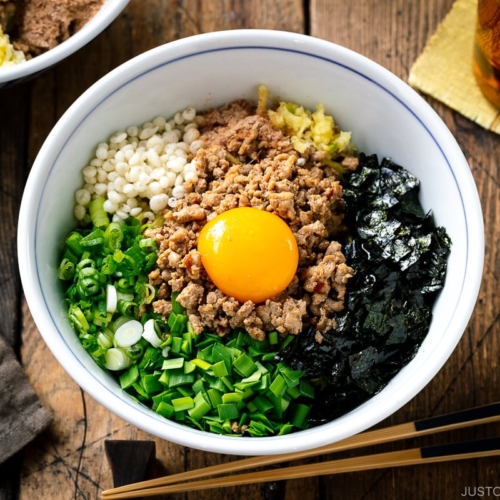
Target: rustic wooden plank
point(70, 457)
point(393, 34)
point(13, 167)
point(13, 173)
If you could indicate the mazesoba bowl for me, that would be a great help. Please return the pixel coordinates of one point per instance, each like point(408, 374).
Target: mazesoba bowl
point(385, 116)
point(12, 75)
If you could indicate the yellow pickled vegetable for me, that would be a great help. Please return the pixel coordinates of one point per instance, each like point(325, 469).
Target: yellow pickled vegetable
point(8, 55)
point(310, 129)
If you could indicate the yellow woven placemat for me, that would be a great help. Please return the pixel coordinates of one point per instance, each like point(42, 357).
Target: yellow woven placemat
point(444, 69)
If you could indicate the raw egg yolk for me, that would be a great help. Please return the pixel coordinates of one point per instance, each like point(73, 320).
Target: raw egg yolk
point(248, 253)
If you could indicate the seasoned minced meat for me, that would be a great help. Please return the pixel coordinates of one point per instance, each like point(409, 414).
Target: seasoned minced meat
point(40, 25)
point(248, 163)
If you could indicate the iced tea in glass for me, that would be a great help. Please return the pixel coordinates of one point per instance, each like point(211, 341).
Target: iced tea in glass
point(486, 62)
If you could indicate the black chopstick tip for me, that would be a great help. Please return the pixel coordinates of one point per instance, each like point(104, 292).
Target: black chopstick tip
point(478, 413)
point(464, 448)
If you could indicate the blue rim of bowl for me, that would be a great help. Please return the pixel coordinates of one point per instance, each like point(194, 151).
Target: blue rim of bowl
point(143, 408)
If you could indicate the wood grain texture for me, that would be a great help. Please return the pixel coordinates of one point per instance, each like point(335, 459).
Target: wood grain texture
point(13, 111)
point(69, 460)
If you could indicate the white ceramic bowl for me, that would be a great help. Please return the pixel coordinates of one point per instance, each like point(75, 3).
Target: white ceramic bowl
point(16, 74)
point(385, 116)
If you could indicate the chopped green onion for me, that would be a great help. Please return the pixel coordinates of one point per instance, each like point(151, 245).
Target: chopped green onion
point(278, 386)
point(88, 286)
point(306, 389)
point(215, 427)
point(73, 243)
point(152, 359)
point(84, 263)
point(148, 244)
point(98, 216)
point(218, 384)
point(152, 333)
point(228, 411)
point(263, 404)
point(105, 339)
point(227, 382)
point(129, 377)
point(93, 239)
point(231, 397)
point(108, 265)
point(292, 377)
point(181, 404)
point(129, 333)
point(186, 347)
point(189, 367)
point(273, 338)
point(171, 364)
point(129, 309)
point(66, 270)
point(201, 364)
point(151, 383)
point(300, 414)
point(145, 292)
point(177, 323)
point(185, 391)
point(121, 320)
point(143, 395)
point(198, 386)
point(294, 392)
point(222, 353)
point(116, 359)
point(219, 369)
point(126, 297)
point(201, 407)
point(78, 319)
point(244, 365)
point(215, 397)
point(113, 236)
point(164, 378)
point(178, 378)
point(111, 300)
point(135, 351)
point(176, 344)
point(165, 409)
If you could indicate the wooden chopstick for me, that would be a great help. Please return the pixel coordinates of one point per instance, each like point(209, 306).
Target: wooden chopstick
point(475, 416)
point(415, 456)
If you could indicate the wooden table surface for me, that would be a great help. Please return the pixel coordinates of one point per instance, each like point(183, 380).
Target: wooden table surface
point(68, 461)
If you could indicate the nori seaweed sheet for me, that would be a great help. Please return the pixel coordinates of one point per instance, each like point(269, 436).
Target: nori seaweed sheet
point(400, 260)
